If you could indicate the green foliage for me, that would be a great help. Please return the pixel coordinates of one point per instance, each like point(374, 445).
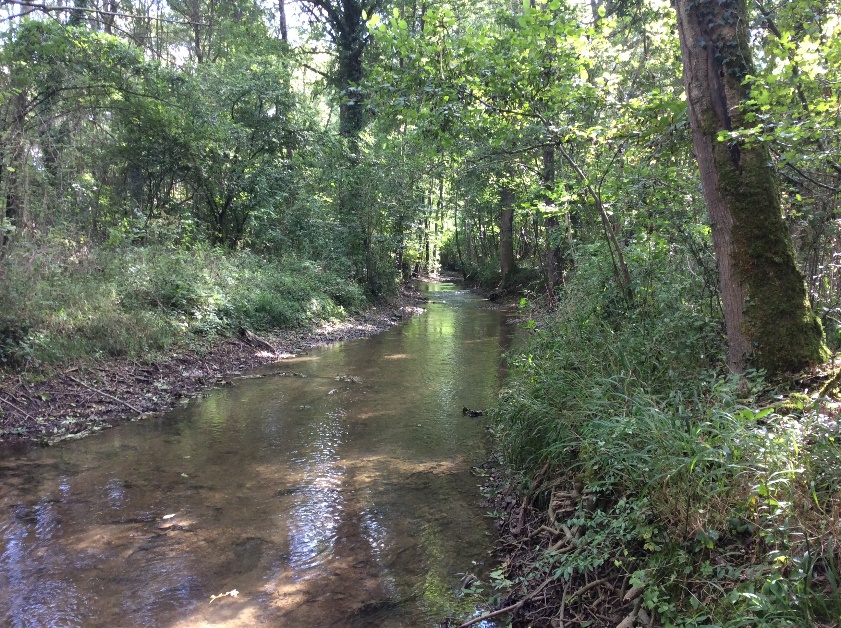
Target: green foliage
point(148, 200)
point(14, 346)
point(63, 300)
point(681, 472)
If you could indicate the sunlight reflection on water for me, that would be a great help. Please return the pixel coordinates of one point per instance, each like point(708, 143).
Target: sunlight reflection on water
point(342, 498)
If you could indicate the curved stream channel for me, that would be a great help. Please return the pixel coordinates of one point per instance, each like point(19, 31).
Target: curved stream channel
point(338, 496)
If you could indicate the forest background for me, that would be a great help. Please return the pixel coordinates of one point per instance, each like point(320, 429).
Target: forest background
point(173, 171)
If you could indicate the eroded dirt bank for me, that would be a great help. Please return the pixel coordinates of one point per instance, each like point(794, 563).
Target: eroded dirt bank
point(85, 398)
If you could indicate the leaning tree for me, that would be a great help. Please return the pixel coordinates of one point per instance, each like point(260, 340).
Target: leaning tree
point(767, 315)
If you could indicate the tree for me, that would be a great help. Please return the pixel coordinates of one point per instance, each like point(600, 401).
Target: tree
point(767, 315)
point(281, 20)
point(347, 24)
point(506, 235)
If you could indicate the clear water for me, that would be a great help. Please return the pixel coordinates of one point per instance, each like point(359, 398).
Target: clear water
point(341, 496)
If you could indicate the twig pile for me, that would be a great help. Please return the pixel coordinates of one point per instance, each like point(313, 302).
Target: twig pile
point(534, 531)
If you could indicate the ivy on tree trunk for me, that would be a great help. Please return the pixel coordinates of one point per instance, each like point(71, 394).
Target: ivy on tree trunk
point(767, 315)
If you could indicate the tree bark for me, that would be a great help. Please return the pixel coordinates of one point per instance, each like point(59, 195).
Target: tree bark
point(351, 110)
point(506, 236)
point(281, 17)
point(458, 246)
point(767, 316)
point(554, 260)
point(426, 244)
point(195, 17)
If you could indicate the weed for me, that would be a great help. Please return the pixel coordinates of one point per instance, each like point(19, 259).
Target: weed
point(728, 514)
point(63, 300)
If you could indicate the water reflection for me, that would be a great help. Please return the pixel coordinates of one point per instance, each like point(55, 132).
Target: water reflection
point(318, 508)
point(341, 498)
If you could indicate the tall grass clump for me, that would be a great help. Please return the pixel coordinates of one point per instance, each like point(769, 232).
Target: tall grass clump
point(693, 486)
point(63, 300)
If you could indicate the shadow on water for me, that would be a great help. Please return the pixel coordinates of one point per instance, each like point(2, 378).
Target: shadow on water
point(339, 497)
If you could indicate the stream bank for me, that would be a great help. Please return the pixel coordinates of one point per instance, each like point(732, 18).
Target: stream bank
point(345, 495)
point(86, 398)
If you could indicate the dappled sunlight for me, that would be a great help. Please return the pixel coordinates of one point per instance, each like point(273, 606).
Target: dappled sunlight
point(226, 612)
point(299, 359)
point(97, 538)
point(316, 508)
point(363, 416)
point(397, 468)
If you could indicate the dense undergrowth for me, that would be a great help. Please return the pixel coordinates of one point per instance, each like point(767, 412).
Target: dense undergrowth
point(63, 300)
point(719, 500)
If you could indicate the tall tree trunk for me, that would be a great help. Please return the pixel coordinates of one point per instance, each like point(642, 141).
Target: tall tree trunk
point(426, 244)
point(78, 16)
point(281, 18)
point(767, 315)
point(12, 165)
point(506, 236)
point(196, 18)
point(439, 221)
point(458, 246)
point(554, 261)
point(351, 109)
point(348, 29)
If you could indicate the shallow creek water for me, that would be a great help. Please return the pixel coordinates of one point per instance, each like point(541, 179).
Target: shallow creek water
point(338, 496)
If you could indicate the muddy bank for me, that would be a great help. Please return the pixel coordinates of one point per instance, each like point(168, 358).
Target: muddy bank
point(85, 398)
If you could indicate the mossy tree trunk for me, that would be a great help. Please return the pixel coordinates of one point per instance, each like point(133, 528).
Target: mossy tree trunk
point(347, 28)
point(767, 314)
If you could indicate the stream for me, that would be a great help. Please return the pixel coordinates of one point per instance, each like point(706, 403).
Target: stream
point(330, 489)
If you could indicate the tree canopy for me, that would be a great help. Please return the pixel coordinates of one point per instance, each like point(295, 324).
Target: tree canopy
point(662, 182)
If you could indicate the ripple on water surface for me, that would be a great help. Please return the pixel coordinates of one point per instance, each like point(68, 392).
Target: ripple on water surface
point(339, 498)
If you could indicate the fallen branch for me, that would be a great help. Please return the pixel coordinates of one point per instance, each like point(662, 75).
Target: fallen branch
point(629, 621)
point(563, 604)
point(255, 341)
point(16, 408)
point(559, 548)
point(545, 528)
point(587, 587)
point(105, 394)
point(508, 609)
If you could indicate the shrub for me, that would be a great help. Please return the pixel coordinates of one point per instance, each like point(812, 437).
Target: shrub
point(728, 514)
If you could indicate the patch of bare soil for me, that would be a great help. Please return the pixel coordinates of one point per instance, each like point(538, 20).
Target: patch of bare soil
point(85, 398)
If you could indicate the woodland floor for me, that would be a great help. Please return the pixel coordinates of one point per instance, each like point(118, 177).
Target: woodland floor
point(528, 524)
point(82, 399)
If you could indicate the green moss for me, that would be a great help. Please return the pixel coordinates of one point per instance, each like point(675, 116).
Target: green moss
point(785, 334)
point(832, 388)
point(793, 404)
